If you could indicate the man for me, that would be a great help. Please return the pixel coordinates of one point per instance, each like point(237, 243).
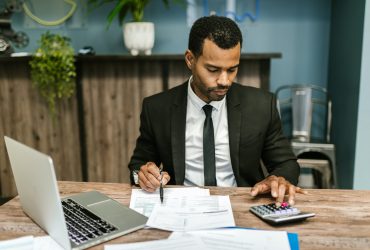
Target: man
point(246, 125)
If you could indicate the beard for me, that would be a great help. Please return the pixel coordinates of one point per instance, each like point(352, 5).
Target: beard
point(219, 87)
point(217, 93)
point(209, 94)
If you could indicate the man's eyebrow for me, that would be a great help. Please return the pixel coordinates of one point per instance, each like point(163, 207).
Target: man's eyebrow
point(217, 67)
point(235, 66)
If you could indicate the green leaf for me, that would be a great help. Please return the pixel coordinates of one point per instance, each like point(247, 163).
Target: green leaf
point(53, 70)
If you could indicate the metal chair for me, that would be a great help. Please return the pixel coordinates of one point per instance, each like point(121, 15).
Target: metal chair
point(305, 111)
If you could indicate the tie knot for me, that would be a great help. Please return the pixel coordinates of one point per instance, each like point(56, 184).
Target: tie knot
point(207, 110)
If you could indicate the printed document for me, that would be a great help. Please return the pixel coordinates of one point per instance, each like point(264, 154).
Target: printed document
point(195, 213)
point(216, 239)
point(186, 243)
point(238, 238)
point(143, 202)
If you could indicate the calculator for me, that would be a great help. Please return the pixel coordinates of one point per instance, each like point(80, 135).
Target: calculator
point(279, 215)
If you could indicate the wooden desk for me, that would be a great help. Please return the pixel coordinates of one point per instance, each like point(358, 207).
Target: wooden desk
point(342, 216)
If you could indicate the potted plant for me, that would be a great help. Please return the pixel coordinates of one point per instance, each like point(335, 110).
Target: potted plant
point(53, 71)
point(137, 35)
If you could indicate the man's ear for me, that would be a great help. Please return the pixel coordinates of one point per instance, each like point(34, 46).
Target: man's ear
point(189, 59)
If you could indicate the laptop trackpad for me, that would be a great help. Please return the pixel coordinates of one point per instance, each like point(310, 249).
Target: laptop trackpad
point(117, 214)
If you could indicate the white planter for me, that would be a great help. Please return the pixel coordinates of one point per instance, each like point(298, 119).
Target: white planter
point(139, 37)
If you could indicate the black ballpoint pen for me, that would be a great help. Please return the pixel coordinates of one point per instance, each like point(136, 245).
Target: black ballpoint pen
point(161, 187)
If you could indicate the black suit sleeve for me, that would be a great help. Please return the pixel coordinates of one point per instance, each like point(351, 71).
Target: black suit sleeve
point(277, 154)
point(145, 149)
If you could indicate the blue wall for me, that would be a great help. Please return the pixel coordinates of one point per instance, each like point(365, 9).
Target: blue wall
point(362, 170)
point(344, 82)
point(298, 29)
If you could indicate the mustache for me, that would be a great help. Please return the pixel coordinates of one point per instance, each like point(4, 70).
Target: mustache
point(219, 87)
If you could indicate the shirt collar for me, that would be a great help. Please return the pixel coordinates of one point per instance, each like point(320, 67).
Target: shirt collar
point(199, 103)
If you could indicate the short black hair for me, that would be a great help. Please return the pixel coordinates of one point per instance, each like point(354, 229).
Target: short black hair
point(223, 31)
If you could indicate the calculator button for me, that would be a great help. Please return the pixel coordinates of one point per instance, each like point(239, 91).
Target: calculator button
point(285, 204)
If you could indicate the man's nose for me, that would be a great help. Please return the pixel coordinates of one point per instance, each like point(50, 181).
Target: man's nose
point(223, 78)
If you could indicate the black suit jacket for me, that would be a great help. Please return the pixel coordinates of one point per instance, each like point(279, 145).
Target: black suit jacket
point(255, 134)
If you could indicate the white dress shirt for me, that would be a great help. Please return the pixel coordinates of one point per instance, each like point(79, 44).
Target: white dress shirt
point(194, 167)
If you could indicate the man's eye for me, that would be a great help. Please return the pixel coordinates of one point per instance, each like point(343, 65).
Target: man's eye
point(232, 70)
point(212, 70)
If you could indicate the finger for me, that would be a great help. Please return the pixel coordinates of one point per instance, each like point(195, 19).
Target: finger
point(152, 175)
point(274, 185)
point(259, 188)
point(281, 194)
point(291, 194)
point(300, 190)
point(143, 181)
point(166, 178)
point(148, 179)
point(145, 188)
point(154, 170)
point(254, 190)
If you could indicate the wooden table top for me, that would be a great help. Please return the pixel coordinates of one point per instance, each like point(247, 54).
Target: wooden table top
point(342, 218)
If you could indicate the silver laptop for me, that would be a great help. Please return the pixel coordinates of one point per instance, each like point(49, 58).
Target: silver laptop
point(76, 222)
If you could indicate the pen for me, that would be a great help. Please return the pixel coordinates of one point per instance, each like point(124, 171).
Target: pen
point(161, 185)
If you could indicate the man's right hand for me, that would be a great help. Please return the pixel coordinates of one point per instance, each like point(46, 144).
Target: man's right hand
point(150, 177)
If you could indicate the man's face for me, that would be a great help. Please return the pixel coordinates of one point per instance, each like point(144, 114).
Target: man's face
point(213, 71)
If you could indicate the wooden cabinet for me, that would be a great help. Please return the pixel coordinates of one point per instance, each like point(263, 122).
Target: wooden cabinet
point(95, 131)
point(24, 116)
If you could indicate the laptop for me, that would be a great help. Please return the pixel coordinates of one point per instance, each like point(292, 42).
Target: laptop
point(75, 222)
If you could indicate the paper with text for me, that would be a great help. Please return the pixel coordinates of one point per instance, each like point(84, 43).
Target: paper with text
point(144, 202)
point(195, 213)
point(235, 238)
point(192, 243)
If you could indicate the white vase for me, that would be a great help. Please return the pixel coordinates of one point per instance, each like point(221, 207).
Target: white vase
point(139, 37)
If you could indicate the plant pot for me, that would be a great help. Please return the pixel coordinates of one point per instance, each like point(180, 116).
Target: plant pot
point(139, 37)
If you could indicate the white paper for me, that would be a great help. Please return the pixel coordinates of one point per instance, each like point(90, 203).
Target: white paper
point(195, 213)
point(30, 243)
point(143, 202)
point(234, 238)
point(186, 243)
point(21, 243)
point(46, 243)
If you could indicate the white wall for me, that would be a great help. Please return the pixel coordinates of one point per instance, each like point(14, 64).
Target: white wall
point(362, 159)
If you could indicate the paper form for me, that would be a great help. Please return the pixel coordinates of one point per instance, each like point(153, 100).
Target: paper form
point(195, 213)
point(234, 238)
point(144, 202)
point(169, 244)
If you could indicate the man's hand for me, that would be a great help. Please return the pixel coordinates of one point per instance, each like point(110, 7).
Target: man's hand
point(279, 187)
point(150, 177)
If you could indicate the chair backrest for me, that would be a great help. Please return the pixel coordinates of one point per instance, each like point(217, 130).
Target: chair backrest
point(299, 103)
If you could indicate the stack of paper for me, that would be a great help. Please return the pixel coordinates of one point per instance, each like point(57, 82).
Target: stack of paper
point(184, 209)
point(198, 221)
point(215, 239)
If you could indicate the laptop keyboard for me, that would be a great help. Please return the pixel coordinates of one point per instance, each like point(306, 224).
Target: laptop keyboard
point(82, 224)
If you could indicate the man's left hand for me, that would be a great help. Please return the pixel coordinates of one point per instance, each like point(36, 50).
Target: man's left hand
point(278, 187)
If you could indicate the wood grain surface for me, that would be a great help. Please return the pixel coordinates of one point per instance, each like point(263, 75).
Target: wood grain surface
point(342, 218)
point(24, 116)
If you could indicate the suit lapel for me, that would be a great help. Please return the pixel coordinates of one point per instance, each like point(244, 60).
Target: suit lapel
point(234, 123)
point(178, 125)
